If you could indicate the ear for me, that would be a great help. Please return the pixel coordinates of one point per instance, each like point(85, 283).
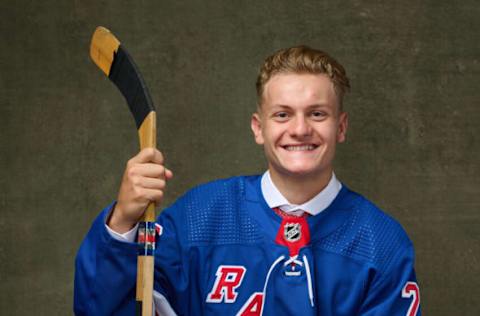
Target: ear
point(256, 125)
point(342, 127)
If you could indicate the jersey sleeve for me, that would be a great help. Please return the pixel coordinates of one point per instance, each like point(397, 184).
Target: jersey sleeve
point(105, 273)
point(106, 269)
point(395, 292)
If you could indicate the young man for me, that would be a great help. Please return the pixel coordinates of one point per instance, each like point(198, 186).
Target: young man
point(293, 241)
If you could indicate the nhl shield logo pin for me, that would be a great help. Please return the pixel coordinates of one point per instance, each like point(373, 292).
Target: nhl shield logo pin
point(294, 234)
point(292, 231)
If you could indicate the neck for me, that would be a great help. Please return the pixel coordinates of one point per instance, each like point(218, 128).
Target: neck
point(300, 189)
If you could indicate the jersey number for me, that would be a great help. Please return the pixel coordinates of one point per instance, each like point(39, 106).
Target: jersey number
point(411, 290)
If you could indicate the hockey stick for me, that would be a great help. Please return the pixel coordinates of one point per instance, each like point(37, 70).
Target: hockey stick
point(116, 63)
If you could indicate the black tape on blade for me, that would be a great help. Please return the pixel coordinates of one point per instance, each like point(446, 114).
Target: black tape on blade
point(126, 76)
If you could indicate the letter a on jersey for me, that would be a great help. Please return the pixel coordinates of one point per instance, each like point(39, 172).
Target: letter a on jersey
point(253, 307)
point(228, 278)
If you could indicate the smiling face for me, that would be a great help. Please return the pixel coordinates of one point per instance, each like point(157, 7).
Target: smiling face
point(299, 124)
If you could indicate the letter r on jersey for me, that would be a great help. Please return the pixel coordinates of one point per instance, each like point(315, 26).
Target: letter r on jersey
point(228, 278)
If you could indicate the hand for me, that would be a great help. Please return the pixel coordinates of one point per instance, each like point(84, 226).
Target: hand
point(144, 181)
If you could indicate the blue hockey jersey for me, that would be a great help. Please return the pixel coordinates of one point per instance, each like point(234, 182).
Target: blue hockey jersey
point(219, 255)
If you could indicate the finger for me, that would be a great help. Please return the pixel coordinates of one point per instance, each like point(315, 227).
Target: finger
point(148, 170)
point(168, 174)
point(153, 195)
point(152, 183)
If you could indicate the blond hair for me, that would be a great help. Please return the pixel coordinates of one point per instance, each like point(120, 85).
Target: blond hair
point(303, 60)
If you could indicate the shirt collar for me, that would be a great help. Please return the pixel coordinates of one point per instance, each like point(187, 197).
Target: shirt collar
point(317, 204)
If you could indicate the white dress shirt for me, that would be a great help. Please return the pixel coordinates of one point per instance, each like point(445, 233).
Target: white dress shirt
point(317, 204)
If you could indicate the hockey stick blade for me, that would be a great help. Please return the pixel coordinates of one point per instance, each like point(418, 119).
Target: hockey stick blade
point(115, 62)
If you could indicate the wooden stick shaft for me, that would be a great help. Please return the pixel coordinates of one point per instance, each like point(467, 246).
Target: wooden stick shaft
point(145, 264)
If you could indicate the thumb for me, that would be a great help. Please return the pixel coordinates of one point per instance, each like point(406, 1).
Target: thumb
point(149, 155)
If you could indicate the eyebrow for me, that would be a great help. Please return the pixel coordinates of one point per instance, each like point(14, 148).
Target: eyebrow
point(312, 106)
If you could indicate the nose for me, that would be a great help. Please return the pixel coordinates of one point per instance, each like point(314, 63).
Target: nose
point(300, 127)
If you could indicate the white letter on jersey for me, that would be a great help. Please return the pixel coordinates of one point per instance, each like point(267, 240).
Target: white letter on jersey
point(253, 307)
point(228, 279)
point(411, 289)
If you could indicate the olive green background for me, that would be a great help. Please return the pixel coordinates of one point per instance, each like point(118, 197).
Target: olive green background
point(66, 132)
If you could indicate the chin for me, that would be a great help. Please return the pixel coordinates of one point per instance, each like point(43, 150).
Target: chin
point(300, 172)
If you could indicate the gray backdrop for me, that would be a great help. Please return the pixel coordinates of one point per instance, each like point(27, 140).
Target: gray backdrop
point(66, 132)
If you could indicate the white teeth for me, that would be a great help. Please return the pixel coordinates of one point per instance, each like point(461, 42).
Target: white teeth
point(300, 148)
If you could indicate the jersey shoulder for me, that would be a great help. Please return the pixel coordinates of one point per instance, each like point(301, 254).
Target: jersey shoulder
point(214, 213)
point(368, 235)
